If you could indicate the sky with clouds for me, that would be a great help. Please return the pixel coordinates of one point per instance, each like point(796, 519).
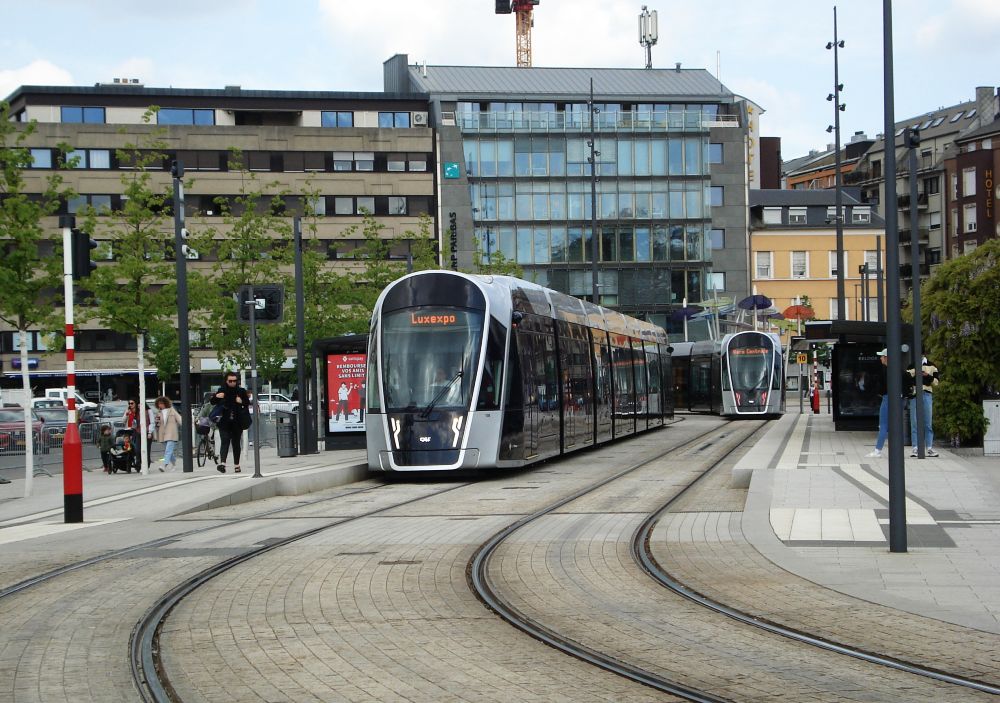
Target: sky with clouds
point(771, 51)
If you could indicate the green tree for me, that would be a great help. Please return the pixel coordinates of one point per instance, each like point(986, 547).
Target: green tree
point(30, 258)
point(136, 294)
point(495, 264)
point(255, 248)
point(958, 311)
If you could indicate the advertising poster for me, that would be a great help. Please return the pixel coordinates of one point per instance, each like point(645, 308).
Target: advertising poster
point(345, 392)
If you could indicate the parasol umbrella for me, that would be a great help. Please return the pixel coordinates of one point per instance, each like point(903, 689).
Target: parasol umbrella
point(755, 302)
point(685, 313)
point(798, 312)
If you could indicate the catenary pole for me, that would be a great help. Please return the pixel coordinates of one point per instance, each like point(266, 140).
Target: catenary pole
point(72, 447)
point(180, 259)
point(893, 332)
point(912, 140)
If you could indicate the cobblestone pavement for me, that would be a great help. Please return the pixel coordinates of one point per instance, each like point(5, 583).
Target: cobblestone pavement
point(380, 609)
point(67, 639)
point(574, 573)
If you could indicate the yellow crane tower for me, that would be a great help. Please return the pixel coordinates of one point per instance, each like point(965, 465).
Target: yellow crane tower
point(522, 10)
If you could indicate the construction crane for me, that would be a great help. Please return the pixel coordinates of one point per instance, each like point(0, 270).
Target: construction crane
point(522, 9)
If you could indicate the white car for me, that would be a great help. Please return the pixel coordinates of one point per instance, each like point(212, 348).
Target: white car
point(270, 402)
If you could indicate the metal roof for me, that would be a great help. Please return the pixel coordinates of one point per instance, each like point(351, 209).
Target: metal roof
point(568, 83)
point(781, 197)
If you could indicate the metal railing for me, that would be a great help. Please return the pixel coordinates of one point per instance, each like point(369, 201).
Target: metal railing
point(626, 121)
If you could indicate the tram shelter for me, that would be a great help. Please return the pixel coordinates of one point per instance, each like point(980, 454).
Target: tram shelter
point(858, 377)
point(341, 371)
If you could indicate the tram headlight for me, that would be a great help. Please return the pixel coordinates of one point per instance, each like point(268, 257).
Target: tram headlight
point(456, 427)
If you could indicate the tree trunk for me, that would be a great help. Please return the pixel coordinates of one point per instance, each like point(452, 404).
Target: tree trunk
point(144, 416)
point(29, 434)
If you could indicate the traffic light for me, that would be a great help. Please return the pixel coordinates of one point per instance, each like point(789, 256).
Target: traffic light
point(268, 306)
point(913, 138)
point(82, 245)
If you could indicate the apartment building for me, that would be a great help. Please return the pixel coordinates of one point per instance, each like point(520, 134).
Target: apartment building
point(360, 151)
point(793, 245)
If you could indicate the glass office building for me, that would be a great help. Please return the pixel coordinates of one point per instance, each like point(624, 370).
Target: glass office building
point(526, 172)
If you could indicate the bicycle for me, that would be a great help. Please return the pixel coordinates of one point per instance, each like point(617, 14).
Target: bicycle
point(206, 448)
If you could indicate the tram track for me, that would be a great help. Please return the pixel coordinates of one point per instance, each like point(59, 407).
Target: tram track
point(642, 554)
point(148, 673)
point(484, 588)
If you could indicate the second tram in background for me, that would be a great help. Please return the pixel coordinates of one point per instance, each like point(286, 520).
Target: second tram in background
point(478, 372)
point(740, 376)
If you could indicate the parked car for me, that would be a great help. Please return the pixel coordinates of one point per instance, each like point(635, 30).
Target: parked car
point(270, 402)
point(12, 440)
point(87, 413)
point(55, 420)
point(112, 414)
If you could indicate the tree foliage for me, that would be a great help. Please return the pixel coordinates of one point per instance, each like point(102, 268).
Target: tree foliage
point(958, 311)
point(254, 248)
point(31, 262)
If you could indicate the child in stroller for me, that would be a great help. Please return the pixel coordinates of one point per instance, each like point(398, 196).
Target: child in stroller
point(121, 452)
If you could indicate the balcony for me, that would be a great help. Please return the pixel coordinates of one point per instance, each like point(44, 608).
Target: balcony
point(906, 270)
point(922, 233)
point(624, 121)
point(903, 201)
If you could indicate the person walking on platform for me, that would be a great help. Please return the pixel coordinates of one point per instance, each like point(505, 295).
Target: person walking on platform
point(234, 402)
point(931, 378)
point(168, 431)
point(883, 410)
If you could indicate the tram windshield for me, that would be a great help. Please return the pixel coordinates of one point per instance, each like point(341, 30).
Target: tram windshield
point(750, 362)
point(429, 357)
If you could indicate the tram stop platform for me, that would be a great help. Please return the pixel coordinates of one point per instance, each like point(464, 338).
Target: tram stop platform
point(158, 495)
point(818, 507)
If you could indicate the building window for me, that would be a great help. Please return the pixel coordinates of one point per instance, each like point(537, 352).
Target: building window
point(336, 119)
point(800, 264)
point(716, 194)
point(184, 116)
point(932, 185)
point(354, 160)
point(717, 282)
point(714, 153)
point(876, 169)
point(969, 217)
point(934, 219)
point(968, 182)
point(86, 115)
point(796, 215)
point(933, 256)
point(772, 216)
point(871, 258)
point(41, 158)
point(315, 206)
point(396, 162)
point(343, 206)
point(100, 203)
point(364, 161)
point(861, 215)
point(833, 264)
point(833, 310)
point(366, 204)
point(717, 239)
point(954, 222)
point(393, 119)
point(416, 162)
point(397, 205)
point(764, 264)
point(89, 158)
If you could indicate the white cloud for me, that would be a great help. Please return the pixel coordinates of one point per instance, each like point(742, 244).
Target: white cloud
point(37, 72)
point(962, 26)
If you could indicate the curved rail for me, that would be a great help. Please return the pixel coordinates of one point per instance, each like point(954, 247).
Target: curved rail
point(148, 673)
point(643, 555)
point(478, 576)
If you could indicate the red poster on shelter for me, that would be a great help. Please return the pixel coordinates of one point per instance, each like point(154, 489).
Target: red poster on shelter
point(345, 392)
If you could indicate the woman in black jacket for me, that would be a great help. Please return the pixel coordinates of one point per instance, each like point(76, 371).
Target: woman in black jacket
point(234, 401)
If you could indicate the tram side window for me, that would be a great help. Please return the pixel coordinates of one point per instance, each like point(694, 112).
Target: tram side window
point(725, 373)
point(653, 366)
point(778, 369)
point(639, 361)
point(491, 383)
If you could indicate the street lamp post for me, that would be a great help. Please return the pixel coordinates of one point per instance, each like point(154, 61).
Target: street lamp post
point(911, 137)
point(180, 263)
point(838, 107)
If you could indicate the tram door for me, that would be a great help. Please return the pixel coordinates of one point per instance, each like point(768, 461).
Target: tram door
point(540, 386)
point(602, 385)
point(624, 380)
point(576, 392)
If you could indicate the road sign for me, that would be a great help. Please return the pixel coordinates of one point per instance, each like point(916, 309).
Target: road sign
point(802, 358)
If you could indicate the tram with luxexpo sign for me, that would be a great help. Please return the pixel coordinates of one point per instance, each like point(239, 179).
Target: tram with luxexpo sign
point(740, 376)
point(469, 372)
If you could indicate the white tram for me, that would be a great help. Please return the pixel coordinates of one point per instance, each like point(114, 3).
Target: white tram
point(477, 372)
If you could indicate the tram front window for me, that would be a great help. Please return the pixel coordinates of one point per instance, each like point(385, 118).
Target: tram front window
point(429, 357)
point(750, 367)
